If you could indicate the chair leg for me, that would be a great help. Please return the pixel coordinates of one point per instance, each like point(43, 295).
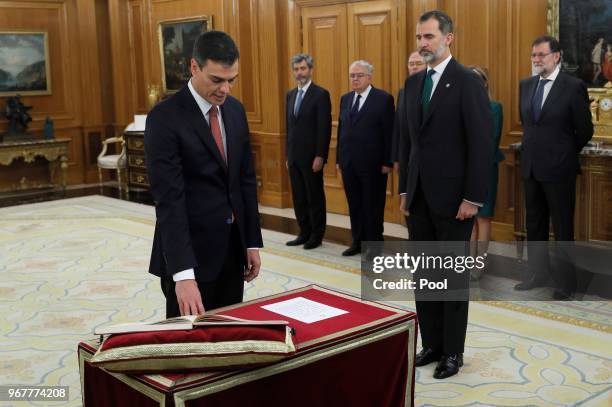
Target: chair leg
point(119, 181)
point(100, 179)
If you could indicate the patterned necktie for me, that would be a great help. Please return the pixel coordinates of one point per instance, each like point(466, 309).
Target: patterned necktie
point(355, 108)
point(215, 129)
point(426, 96)
point(537, 99)
point(298, 102)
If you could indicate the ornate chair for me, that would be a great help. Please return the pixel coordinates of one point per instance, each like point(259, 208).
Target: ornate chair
point(116, 162)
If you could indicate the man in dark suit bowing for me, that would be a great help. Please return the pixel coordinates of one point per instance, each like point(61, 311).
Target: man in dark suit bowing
point(365, 127)
point(308, 121)
point(557, 124)
point(445, 164)
point(202, 177)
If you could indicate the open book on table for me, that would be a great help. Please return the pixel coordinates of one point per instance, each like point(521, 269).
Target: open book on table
point(184, 322)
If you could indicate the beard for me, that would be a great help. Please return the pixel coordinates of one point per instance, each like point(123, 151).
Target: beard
point(429, 56)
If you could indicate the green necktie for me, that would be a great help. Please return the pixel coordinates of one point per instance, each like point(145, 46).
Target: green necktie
point(426, 96)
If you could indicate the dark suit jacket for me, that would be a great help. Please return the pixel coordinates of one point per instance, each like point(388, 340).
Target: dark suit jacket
point(552, 144)
point(195, 192)
point(309, 133)
point(450, 149)
point(395, 139)
point(364, 141)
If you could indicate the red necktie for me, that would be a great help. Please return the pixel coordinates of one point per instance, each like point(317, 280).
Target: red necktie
point(215, 129)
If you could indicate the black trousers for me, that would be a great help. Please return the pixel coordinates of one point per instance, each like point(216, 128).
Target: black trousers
point(443, 324)
point(546, 202)
point(308, 201)
point(226, 289)
point(366, 194)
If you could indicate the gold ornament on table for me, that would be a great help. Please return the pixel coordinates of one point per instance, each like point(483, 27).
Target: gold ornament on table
point(153, 95)
point(601, 109)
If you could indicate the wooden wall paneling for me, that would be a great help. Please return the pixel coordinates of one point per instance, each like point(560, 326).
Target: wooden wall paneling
point(599, 218)
point(324, 31)
point(138, 62)
point(121, 69)
point(267, 122)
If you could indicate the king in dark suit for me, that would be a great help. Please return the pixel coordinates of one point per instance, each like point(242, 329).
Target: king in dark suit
point(202, 178)
point(308, 121)
point(365, 129)
point(557, 124)
point(445, 165)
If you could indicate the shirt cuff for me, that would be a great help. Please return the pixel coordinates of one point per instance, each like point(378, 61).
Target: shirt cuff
point(184, 275)
point(253, 248)
point(473, 203)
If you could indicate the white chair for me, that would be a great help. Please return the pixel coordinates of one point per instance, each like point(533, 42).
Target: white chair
point(117, 162)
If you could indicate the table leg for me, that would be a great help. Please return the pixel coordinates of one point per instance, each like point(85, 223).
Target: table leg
point(64, 167)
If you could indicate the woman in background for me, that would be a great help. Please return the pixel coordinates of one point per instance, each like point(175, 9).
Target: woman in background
point(481, 231)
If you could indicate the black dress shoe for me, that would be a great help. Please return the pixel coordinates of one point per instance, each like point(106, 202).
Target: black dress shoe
point(531, 283)
point(351, 251)
point(312, 243)
point(426, 356)
point(298, 241)
point(448, 366)
point(562, 295)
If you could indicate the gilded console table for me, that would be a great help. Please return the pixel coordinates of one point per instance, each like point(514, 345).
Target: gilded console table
point(53, 150)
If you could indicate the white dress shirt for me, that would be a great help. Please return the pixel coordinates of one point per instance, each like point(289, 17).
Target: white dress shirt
point(364, 96)
point(551, 79)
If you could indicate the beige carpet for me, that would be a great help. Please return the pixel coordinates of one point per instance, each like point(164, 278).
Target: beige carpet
point(68, 266)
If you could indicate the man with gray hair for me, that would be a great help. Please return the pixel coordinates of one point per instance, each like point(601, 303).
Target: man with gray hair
point(308, 120)
point(365, 126)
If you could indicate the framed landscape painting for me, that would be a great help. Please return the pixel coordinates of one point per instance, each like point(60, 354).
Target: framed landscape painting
point(176, 39)
point(584, 30)
point(24, 63)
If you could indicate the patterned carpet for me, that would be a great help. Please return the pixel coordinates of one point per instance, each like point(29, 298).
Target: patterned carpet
point(68, 266)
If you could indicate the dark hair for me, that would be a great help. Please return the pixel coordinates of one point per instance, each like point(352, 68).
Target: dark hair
point(216, 46)
point(445, 23)
point(552, 42)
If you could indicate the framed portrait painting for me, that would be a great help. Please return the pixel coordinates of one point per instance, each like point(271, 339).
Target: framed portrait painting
point(584, 30)
point(176, 39)
point(24, 63)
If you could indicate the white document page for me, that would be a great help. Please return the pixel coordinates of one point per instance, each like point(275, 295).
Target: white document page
point(304, 310)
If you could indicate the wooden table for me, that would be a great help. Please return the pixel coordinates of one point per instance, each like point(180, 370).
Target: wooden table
point(53, 150)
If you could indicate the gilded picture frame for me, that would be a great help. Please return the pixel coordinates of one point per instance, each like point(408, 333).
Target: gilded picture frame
point(584, 30)
point(24, 63)
point(176, 39)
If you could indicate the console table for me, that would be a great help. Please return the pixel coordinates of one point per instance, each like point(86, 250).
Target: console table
point(54, 150)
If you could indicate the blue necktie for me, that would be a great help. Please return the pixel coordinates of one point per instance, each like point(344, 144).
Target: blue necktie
point(355, 108)
point(298, 102)
point(537, 99)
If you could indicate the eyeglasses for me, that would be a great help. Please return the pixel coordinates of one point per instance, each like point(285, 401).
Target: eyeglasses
point(357, 75)
point(416, 63)
point(540, 55)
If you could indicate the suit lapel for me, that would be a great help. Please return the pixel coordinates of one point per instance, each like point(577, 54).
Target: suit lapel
point(308, 96)
point(291, 106)
point(531, 90)
point(418, 113)
point(232, 152)
point(366, 106)
point(197, 120)
point(444, 86)
point(553, 94)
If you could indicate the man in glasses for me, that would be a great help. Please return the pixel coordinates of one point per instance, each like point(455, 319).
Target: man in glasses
point(557, 124)
point(365, 125)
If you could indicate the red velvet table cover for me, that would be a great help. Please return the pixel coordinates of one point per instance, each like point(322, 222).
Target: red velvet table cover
point(362, 358)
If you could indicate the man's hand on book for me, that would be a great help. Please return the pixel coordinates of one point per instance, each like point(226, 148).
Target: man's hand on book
point(253, 264)
point(189, 297)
